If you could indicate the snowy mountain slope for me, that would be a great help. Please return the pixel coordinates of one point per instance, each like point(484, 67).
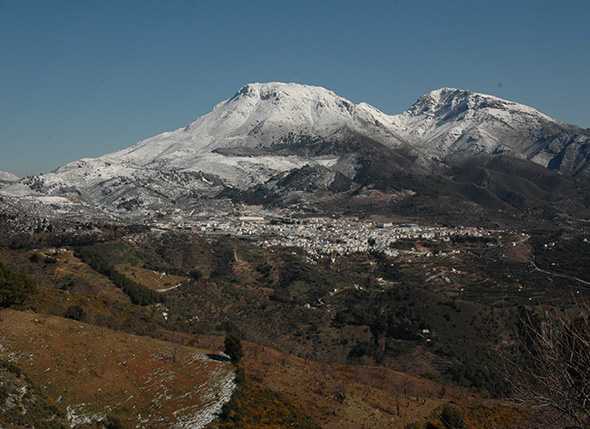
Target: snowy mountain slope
point(265, 130)
point(7, 177)
point(260, 115)
point(451, 122)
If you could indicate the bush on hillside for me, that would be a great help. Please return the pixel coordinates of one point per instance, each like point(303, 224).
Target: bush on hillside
point(196, 275)
point(452, 417)
point(75, 312)
point(112, 422)
point(15, 288)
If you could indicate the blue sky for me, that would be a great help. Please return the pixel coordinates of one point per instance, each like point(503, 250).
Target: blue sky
point(83, 78)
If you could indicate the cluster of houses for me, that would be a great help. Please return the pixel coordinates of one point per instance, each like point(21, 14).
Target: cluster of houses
point(328, 236)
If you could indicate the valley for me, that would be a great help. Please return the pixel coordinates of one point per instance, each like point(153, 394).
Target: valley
point(374, 269)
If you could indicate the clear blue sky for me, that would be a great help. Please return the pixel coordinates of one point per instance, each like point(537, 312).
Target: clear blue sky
point(82, 78)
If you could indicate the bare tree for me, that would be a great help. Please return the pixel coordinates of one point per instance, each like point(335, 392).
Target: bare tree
point(550, 368)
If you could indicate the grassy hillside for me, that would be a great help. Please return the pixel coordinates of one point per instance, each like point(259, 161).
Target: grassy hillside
point(90, 373)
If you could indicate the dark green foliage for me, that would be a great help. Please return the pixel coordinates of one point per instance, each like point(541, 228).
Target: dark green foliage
point(479, 371)
point(359, 351)
point(39, 258)
point(386, 267)
point(240, 375)
point(10, 367)
point(224, 259)
point(195, 275)
point(15, 288)
point(452, 417)
point(138, 294)
point(566, 253)
point(75, 312)
point(112, 422)
point(305, 282)
point(233, 348)
point(265, 269)
point(65, 283)
point(391, 313)
point(105, 256)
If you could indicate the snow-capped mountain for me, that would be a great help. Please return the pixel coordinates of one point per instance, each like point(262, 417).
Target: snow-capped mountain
point(258, 134)
point(7, 177)
point(452, 122)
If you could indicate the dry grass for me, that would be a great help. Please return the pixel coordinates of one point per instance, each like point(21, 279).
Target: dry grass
point(346, 396)
point(342, 396)
point(95, 371)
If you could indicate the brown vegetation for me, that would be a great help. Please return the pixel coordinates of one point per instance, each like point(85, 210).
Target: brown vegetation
point(95, 371)
point(551, 369)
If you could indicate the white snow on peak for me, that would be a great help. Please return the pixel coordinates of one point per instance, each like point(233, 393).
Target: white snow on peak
point(441, 123)
point(262, 114)
point(8, 177)
point(450, 121)
point(449, 98)
point(258, 115)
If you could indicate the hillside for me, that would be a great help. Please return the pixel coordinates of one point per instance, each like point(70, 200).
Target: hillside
point(90, 373)
point(364, 338)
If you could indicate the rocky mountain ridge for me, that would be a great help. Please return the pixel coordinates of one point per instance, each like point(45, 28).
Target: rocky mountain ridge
point(266, 131)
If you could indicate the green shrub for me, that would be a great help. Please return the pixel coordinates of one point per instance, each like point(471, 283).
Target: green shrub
point(103, 259)
point(15, 288)
point(66, 283)
point(452, 417)
point(139, 295)
point(195, 275)
point(112, 422)
point(75, 312)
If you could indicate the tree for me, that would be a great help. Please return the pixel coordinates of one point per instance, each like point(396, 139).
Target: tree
point(233, 348)
point(551, 367)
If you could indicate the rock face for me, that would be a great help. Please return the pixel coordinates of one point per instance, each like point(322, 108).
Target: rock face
point(266, 131)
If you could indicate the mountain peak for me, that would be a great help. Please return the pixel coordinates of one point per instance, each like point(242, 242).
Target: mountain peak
point(454, 102)
point(263, 129)
point(279, 90)
point(8, 177)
